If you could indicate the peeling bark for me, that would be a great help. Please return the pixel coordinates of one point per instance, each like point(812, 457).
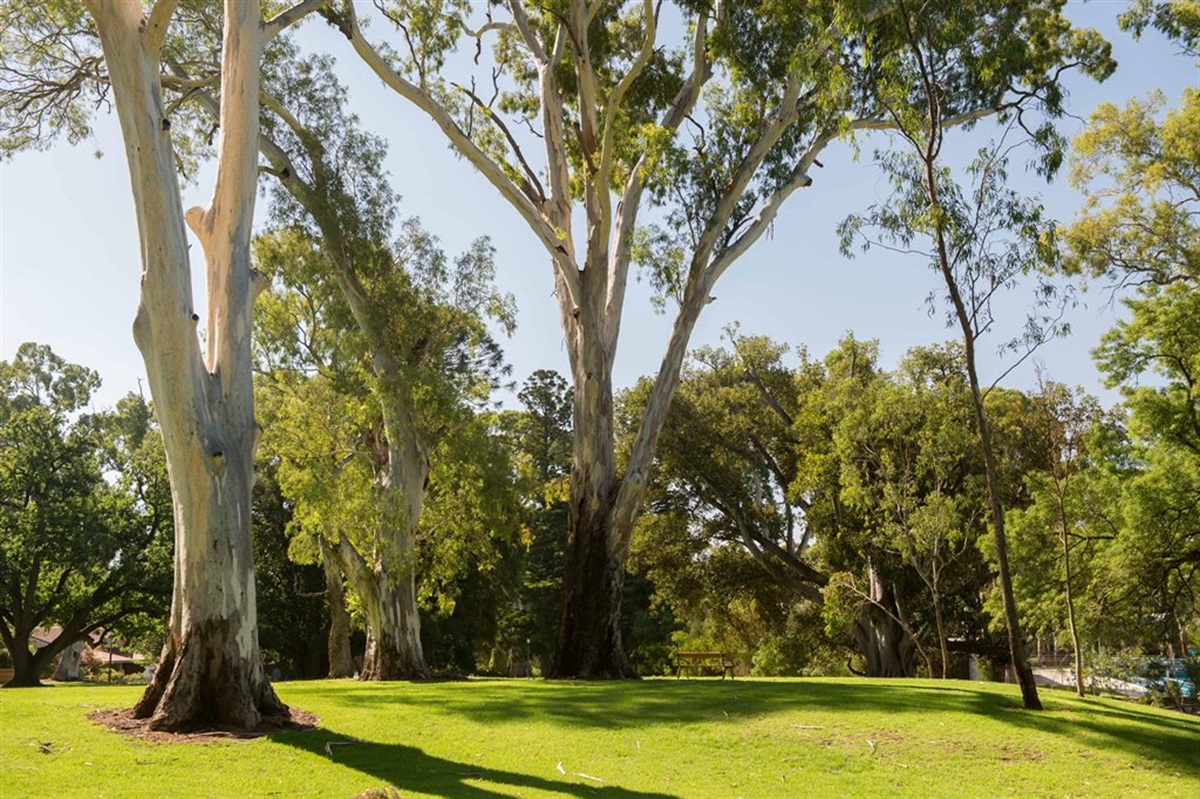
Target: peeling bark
point(393, 627)
point(210, 671)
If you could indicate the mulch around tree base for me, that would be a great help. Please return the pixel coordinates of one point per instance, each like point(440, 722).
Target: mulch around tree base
point(122, 721)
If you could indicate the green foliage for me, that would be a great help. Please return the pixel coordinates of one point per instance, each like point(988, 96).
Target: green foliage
point(1139, 170)
point(1178, 19)
point(1153, 559)
point(539, 444)
point(85, 507)
point(46, 45)
point(292, 618)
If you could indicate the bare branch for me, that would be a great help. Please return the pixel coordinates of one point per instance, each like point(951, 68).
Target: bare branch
point(770, 209)
point(291, 16)
point(533, 186)
point(157, 24)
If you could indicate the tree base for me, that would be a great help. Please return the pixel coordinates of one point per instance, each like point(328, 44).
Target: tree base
point(203, 682)
point(385, 663)
point(123, 722)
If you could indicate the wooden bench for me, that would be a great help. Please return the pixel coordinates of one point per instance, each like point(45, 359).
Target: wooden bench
point(697, 662)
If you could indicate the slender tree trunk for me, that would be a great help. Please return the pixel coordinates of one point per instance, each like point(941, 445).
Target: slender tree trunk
point(941, 633)
point(1016, 646)
point(210, 671)
point(68, 669)
point(965, 318)
point(341, 664)
point(1066, 545)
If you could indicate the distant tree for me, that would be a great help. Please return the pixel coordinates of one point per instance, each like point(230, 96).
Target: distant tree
point(1138, 168)
point(910, 472)
point(539, 437)
point(981, 239)
point(383, 447)
point(1179, 20)
point(1138, 226)
point(855, 491)
point(1073, 512)
point(292, 613)
point(76, 549)
point(1156, 558)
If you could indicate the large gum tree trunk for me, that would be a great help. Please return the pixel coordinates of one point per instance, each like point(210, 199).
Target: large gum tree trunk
point(887, 648)
point(604, 506)
point(210, 671)
point(389, 601)
point(589, 635)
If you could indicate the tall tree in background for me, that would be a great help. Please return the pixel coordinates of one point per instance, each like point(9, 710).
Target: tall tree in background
point(378, 429)
point(858, 491)
point(1156, 558)
point(608, 100)
point(210, 670)
point(1139, 227)
point(540, 438)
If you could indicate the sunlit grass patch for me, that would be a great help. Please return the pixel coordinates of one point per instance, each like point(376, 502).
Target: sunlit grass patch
point(655, 738)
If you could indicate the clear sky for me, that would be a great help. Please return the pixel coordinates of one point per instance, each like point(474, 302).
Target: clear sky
point(69, 264)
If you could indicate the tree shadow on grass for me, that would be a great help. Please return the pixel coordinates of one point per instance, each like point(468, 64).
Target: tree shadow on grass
point(407, 768)
point(1159, 741)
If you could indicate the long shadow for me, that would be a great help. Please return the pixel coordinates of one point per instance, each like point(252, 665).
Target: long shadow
point(407, 768)
point(1160, 741)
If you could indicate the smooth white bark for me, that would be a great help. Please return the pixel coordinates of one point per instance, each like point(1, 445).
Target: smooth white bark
point(211, 664)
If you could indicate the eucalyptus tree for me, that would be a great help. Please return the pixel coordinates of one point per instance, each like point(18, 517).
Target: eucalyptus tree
point(381, 360)
point(712, 113)
point(1138, 226)
point(731, 455)
point(908, 469)
point(853, 489)
point(56, 61)
point(76, 550)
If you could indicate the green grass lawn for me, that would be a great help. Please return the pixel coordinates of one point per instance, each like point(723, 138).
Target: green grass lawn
point(655, 738)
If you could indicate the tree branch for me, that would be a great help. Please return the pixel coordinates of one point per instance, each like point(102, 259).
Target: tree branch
point(290, 16)
point(544, 230)
point(157, 24)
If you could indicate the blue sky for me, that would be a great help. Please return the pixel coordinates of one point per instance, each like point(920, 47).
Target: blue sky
point(69, 262)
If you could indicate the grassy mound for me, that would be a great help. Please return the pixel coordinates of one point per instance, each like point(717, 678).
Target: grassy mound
point(656, 738)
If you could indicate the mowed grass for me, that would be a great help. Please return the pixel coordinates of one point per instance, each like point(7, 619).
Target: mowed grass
point(654, 738)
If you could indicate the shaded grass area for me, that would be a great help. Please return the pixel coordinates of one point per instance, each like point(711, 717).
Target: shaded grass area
point(655, 738)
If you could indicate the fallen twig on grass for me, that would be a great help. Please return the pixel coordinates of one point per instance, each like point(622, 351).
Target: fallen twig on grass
point(330, 744)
